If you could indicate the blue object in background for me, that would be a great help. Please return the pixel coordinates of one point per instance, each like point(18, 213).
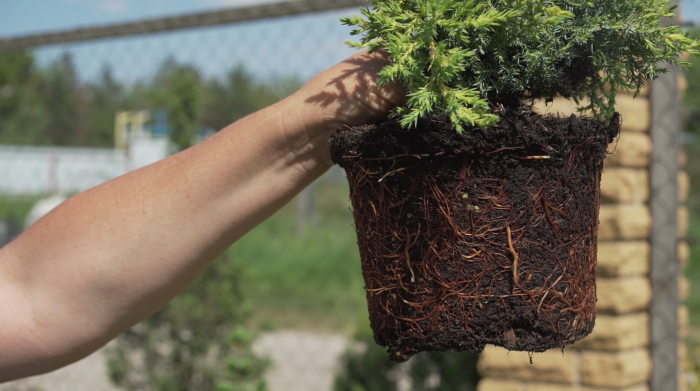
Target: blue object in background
point(160, 127)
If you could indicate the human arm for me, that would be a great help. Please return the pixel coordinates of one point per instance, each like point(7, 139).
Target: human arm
point(113, 255)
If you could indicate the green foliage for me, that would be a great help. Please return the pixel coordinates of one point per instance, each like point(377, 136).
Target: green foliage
point(464, 57)
point(239, 94)
point(693, 272)
point(366, 367)
point(691, 103)
point(178, 89)
point(305, 280)
point(22, 112)
point(16, 208)
point(196, 342)
point(105, 97)
point(244, 371)
point(51, 106)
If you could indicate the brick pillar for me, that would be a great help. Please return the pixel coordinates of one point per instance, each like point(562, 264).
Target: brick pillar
point(616, 355)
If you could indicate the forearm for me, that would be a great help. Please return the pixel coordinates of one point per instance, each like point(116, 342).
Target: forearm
point(115, 254)
point(111, 256)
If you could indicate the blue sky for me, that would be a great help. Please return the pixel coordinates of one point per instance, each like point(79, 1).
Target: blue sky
point(296, 46)
point(19, 17)
point(301, 46)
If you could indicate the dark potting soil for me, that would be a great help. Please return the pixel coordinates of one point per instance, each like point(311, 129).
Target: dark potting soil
point(488, 237)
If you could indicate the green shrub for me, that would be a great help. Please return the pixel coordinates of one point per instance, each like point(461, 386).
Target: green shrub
point(196, 342)
point(366, 367)
point(464, 58)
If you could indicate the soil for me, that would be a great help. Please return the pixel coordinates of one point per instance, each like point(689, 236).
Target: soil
point(488, 237)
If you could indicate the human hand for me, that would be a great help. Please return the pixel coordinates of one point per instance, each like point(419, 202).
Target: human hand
point(347, 93)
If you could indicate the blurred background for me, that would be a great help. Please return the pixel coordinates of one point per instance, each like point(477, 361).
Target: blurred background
point(284, 308)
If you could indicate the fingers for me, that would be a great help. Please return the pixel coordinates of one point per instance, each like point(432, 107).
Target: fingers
point(379, 100)
point(348, 92)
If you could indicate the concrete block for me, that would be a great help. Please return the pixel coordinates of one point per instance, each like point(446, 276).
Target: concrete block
point(636, 114)
point(550, 367)
point(683, 219)
point(683, 321)
point(630, 150)
point(624, 222)
point(489, 384)
point(625, 185)
point(683, 186)
point(683, 253)
point(623, 295)
point(619, 369)
point(683, 288)
point(616, 333)
point(558, 387)
point(621, 259)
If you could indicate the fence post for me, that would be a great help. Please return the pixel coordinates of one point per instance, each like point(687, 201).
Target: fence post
point(664, 204)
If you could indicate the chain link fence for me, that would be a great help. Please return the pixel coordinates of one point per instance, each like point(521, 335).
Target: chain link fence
point(81, 107)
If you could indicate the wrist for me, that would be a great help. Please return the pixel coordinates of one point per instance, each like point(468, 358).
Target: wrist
point(306, 131)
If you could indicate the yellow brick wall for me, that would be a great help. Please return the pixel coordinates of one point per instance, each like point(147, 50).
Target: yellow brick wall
point(616, 355)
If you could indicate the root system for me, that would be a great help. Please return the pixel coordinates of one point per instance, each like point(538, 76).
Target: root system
point(488, 237)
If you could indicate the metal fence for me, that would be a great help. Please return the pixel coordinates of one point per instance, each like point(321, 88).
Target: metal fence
point(65, 118)
point(87, 105)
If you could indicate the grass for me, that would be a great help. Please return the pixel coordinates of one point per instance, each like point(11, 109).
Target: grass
point(16, 208)
point(692, 272)
point(309, 280)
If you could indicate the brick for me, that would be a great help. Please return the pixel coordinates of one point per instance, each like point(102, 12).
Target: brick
point(635, 112)
point(616, 333)
point(625, 185)
point(630, 150)
point(682, 84)
point(624, 222)
point(683, 321)
point(682, 221)
point(558, 387)
point(550, 366)
point(499, 385)
point(621, 259)
point(683, 288)
point(683, 186)
point(623, 295)
point(683, 253)
point(619, 369)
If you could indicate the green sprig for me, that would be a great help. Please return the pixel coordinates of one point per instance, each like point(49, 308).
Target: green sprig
point(464, 57)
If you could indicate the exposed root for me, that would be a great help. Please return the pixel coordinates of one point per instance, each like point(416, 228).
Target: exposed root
point(515, 257)
point(432, 206)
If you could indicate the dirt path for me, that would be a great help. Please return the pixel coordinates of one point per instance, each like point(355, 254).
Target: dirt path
point(88, 374)
point(301, 361)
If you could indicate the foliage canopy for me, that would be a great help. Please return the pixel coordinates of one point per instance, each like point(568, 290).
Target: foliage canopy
point(464, 57)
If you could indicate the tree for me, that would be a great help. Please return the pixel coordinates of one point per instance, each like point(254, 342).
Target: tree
point(23, 117)
point(178, 89)
point(64, 102)
point(196, 342)
point(239, 94)
point(106, 97)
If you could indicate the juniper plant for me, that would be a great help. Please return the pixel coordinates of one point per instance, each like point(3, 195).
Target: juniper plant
point(465, 57)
